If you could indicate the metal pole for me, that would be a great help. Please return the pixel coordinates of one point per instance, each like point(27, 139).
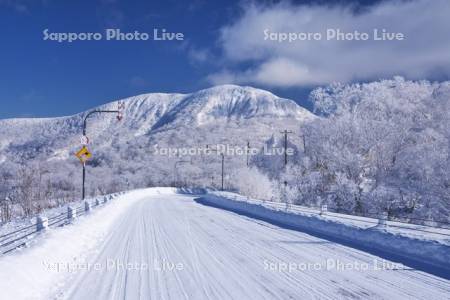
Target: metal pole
point(96, 112)
point(84, 178)
point(285, 147)
point(304, 143)
point(84, 134)
point(223, 166)
point(285, 132)
point(223, 163)
point(248, 149)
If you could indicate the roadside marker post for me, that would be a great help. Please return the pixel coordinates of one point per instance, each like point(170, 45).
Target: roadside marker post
point(41, 223)
point(71, 213)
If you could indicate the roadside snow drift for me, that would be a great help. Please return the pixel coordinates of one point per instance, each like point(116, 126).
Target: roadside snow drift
point(423, 251)
point(39, 271)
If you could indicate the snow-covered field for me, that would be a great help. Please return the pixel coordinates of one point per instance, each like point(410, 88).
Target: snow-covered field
point(156, 244)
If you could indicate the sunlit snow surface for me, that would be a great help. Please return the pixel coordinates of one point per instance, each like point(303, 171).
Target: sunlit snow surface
point(180, 249)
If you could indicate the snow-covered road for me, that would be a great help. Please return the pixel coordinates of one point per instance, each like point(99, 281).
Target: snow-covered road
point(177, 248)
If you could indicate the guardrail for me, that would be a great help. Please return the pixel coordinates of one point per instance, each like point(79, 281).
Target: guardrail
point(20, 237)
point(380, 219)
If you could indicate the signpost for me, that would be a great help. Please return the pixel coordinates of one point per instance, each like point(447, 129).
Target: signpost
point(84, 140)
point(84, 154)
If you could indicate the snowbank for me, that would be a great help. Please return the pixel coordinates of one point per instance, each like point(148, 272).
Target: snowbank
point(423, 251)
point(33, 273)
point(21, 222)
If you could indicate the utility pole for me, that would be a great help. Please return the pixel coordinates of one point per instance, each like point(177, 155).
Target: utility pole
point(97, 111)
point(304, 142)
point(285, 132)
point(223, 164)
point(247, 152)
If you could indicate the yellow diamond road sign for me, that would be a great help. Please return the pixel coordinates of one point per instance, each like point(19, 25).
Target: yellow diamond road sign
point(84, 154)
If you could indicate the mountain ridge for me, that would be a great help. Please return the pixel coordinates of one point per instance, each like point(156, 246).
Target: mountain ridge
point(149, 97)
point(228, 114)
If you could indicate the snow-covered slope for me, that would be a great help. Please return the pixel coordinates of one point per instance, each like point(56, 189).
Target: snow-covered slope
point(227, 114)
point(232, 103)
point(149, 113)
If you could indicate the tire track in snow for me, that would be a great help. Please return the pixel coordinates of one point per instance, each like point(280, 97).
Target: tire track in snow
point(223, 255)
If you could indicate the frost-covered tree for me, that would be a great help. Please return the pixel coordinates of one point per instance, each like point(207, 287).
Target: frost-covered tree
point(252, 183)
point(378, 146)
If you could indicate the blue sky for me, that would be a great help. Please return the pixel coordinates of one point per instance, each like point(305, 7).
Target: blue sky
point(45, 78)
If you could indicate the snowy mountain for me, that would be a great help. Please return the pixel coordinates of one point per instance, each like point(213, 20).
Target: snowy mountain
point(225, 114)
point(380, 146)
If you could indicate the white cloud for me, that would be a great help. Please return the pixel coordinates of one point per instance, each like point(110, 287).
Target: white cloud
point(286, 72)
point(197, 55)
point(223, 77)
point(424, 51)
